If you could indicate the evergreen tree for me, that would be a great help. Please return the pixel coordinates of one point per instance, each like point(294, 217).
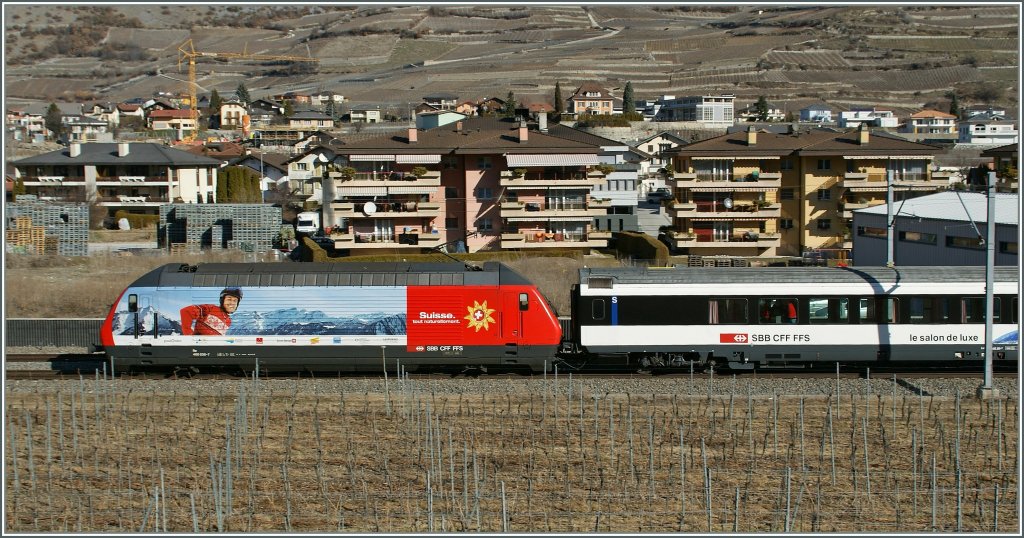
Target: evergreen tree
point(761, 108)
point(243, 94)
point(628, 106)
point(954, 106)
point(215, 104)
point(559, 102)
point(509, 110)
point(329, 109)
point(288, 109)
point(53, 123)
point(222, 187)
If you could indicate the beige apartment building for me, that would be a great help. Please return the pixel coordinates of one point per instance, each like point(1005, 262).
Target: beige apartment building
point(764, 194)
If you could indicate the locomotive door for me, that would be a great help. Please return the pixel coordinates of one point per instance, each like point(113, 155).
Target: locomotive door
point(513, 306)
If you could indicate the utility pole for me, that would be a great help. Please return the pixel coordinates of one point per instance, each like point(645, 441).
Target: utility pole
point(889, 220)
point(986, 390)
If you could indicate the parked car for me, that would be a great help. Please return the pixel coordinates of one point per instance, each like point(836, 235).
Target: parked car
point(657, 195)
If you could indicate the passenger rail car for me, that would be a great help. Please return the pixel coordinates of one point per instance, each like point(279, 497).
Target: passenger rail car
point(330, 316)
point(790, 316)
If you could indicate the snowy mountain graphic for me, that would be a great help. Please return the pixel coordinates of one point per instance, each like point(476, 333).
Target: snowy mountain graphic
point(1008, 338)
point(299, 321)
point(124, 323)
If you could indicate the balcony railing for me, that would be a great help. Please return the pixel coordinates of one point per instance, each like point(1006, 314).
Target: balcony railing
point(554, 240)
point(744, 239)
point(539, 180)
point(386, 178)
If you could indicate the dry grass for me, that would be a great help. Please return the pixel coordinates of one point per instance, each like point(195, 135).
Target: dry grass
point(85, 287)
point(533, 456)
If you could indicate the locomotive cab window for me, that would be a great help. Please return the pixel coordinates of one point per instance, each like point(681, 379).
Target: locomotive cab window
point(774, 310)
point(727, 311)
point(133, 303)
point(524, 302)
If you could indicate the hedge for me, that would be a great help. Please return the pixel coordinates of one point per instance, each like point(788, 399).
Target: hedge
point(137, 221)
point(642, 246)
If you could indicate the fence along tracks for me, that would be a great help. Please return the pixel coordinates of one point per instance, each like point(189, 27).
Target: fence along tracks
point(71, 365)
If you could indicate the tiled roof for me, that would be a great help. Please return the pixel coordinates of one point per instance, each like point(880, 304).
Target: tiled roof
point(479, 135)
point(814, 142)
point(931, 114)
point(170, 114)
point(106, 154)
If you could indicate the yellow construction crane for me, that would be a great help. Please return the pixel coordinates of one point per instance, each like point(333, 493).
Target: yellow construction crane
point(188, 51)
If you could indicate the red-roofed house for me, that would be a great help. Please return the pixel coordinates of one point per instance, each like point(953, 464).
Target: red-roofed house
point(931, 122)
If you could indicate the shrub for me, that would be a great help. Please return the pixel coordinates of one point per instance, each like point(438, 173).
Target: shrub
point(642, 246)
point(137, 221)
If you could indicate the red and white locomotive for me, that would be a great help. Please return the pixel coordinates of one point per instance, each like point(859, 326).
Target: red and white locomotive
point(336, 316)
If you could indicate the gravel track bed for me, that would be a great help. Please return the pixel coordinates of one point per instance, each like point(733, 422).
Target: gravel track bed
point(700, 386)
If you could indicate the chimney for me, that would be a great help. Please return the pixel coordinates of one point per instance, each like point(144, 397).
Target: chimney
point(863, 135)
point(75, 149)
point(523, 136)
point(458, 127)
point(122, 149)
point(542, 120)
point(751, 136)
point(412, 135)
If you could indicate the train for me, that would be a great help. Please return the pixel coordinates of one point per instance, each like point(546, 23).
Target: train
point(462, 318)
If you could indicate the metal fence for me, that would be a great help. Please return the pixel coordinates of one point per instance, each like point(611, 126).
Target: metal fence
point(63, 332)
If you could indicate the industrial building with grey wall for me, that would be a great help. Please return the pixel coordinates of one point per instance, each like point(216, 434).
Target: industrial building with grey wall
point(946, 228)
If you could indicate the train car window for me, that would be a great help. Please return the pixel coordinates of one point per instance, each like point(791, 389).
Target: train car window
point(724, 311)
point(973, 310)
point(942, 309)
point(524, 302)
point(866, 310)
point(597, 309)
point(1013, 313)
point(133, 303)
point(919, 309)
point(890, 310)
point(772, 310)
point(828, 310)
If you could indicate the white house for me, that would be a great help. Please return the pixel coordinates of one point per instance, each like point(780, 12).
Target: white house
point(930, 122)
point(818, 113)
point(987, 129)
point(364, 114)
point(707, 109)
point(231, 113)
point(873, 117)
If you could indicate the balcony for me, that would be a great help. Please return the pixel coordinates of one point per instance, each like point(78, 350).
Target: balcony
point(114, 181)
point(541, 211)
point(388, 210)
point(740, 209)
point(533, 180)
point(690, 180)
point(742, 240)
point(878, 181)
point(127, 200)
point(411, 241)
point(430, 181)
point(554, 240)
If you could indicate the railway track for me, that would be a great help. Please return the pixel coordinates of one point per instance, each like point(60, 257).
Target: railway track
point(72, 366)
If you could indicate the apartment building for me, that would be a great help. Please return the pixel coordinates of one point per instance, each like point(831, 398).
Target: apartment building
point(138, 177)
point(590, 98)
point(483, 183)
point(707, 109)
point(758, 193)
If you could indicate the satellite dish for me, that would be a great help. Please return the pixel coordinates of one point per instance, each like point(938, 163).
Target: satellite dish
point(727, 203)
point(369, 208)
